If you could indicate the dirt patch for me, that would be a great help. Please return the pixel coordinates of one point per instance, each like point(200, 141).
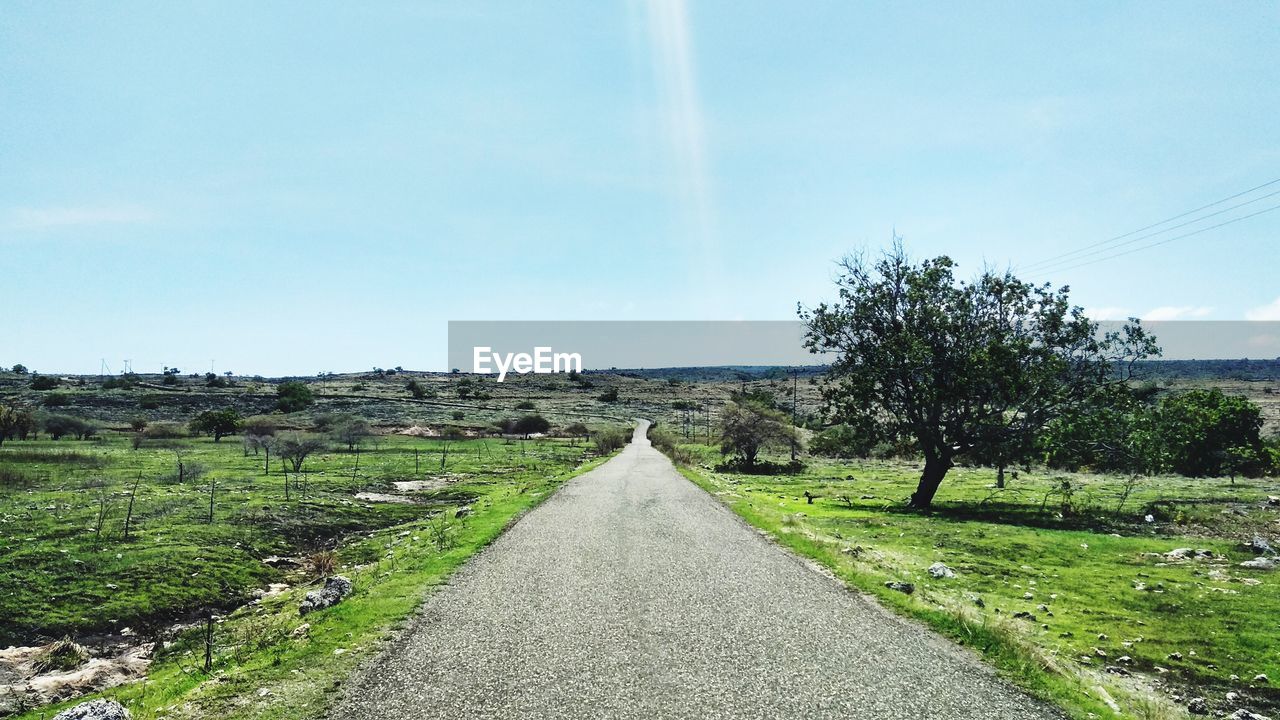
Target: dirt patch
point(419, 431)
point(23, 687)
point(385, 498)
point(435, 483)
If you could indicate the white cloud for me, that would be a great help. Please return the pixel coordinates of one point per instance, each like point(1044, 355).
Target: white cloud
point(1177, 312)
point(1270, 311)
point(1107, 313)
point(27, 218)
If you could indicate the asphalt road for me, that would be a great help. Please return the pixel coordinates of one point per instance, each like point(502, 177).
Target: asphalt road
point(633, 594)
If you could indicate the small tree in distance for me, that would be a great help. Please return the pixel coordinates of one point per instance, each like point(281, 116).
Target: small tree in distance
point(293, 396)
point(747, 428)
point(217, 423)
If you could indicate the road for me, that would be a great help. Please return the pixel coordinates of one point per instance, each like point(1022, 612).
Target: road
point(631, 593)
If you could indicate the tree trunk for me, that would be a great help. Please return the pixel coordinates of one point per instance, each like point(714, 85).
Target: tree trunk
point(1000, 476)
point(934, 470)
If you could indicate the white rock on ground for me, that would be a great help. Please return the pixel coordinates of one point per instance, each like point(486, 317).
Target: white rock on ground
point(95, 710)
point(335, 589)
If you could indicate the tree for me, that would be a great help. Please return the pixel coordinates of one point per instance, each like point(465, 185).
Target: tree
point(958, 367)
point(1210, 433)
point(746, 428)
point(577, 430)
point(351, 431)
point(293, 396)
point(419, 391)
point(19, 369)
point(44, 382)
point(530, 424)
point(295, 448)
point(59, 426)
point(217, 423)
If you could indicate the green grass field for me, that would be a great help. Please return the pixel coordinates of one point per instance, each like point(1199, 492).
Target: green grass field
point(67, 569)
point(1069, 593)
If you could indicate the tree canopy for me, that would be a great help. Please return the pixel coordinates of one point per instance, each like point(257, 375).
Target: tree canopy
point(958, 367)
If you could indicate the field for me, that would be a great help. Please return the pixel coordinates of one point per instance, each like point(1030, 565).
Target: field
point(1059, 579)
point(69, 570)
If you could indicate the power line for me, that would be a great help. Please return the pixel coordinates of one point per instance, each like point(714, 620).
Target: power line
point(1169, 240)
point(1051, 265)
point(1051, 260)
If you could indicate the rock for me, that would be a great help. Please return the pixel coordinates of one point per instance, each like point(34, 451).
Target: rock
point(1124, 660)
point(1243, 714)
point(1260, 546)
point(1028, 596)
point(1232, 698)
point(902, 587)
point(1262, 563)
point(1180, 553)
point(1099, 652)
point(1273, 500)
point(977, 600)
point(1114, 670)
point(941, 571)
point(1175, 656)
point(95, 710)
point(335, 589)
point(1261, 678)
point(462, 512)
point(1024, 615)
point(1198, 706)
point(301, 631)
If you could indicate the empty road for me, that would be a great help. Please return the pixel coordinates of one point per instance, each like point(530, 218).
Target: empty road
point(633, 594)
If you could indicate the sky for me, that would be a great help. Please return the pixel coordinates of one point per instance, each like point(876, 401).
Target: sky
point(290, 188)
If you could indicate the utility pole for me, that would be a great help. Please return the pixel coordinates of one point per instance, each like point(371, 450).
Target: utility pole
point(795, 383)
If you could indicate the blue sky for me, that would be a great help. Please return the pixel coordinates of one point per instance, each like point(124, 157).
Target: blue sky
point(297, 187)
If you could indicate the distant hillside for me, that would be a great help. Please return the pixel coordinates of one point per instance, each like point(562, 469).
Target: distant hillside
point(1246, 370)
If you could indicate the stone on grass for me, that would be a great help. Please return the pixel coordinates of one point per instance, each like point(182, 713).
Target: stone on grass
point(1262, 563)
point(1198, 706)
point(1243, 714)
point(1260, 546)
point(941, 571)
point(95, 710)
point(902, 587)
point(1261, 678)
point(335, 589)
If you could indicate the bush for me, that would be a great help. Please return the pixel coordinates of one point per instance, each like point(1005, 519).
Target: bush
point(165, 431)
point(57, 399)
point(668, 444)
point(530, 424)
point(458, 415)
point(419, 391)
point(293, 396)
point(60, 426)
point(525, 405)
point(840, 441)
point(609, 440)
point(138, 424)
point(610, 395)
point(576, 430)
point(150, 402)
point(61, 656)
point(44, 382)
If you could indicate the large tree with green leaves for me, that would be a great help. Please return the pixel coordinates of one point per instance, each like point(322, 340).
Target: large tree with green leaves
point(1210, 433)
point(959, 368)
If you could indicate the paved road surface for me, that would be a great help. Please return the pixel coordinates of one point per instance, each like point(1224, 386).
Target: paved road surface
point(633, 594)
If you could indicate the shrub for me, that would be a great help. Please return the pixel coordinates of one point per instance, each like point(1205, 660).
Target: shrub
point(458, 415)
point(609, 439)
point(60, 426)
point(138, 424)
point(419, 391)
point(668, 444)
point(322, 564)
point(44, 382)
point(19, 369)
point(61, 656)
point(150, 402)
point(577, 430)
point(610, 395)
point(840, 441)
point(293, 396)
point(170, 379)
point(56, 399)
point(530, 424)
point(525, 405)
point(259, 426)
point(165, 431)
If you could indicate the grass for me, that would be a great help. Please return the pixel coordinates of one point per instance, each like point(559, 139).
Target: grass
point(1047, 578)
point(62, 575)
